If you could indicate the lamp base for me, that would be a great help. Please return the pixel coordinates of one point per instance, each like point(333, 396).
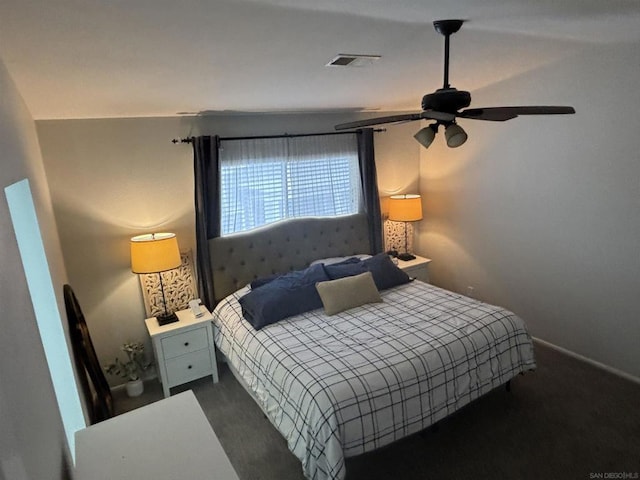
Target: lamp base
point(166, 319)
point(405, 257)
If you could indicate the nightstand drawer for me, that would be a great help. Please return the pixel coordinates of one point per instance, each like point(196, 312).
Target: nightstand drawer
point(417, 268)
point(185, 342)
point(188, 367)
point(419, 273)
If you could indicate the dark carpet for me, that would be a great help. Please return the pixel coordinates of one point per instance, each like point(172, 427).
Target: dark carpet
point(566, 420)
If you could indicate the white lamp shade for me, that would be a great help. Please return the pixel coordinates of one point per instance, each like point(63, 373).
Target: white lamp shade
point(455, 135)
point(425, 136)
point(154, 252)
point(405, 208)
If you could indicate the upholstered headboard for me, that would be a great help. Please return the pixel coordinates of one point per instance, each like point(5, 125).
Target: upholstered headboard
point(278, 248)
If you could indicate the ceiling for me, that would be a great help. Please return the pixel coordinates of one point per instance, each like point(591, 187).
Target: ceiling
point(138, 58)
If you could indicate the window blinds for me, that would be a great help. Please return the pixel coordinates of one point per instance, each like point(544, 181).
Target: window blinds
point(264, 180)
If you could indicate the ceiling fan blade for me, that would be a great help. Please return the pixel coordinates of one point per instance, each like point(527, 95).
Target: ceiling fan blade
point(377, 121)
point(501, 114)
point(426, 114)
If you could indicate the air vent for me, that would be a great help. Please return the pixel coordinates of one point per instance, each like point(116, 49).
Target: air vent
point(348, 60)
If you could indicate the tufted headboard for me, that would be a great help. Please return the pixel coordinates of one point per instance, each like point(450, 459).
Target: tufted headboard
point(281, 247)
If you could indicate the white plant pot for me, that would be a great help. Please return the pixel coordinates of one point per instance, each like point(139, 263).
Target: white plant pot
point(135, 388)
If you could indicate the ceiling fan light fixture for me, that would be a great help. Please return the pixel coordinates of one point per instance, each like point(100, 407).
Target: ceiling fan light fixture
point(425, 135)
point(455, 135)
point(445, 103)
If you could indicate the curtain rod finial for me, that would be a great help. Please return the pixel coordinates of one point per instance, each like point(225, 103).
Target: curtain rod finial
point(182, 140)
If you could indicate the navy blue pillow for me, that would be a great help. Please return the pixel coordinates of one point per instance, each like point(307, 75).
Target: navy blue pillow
point(289, 294)
point(347, 268)
point(258, 282)
point(385, 273)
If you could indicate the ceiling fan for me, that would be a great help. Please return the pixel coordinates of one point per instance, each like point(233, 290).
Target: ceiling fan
point(444, 105)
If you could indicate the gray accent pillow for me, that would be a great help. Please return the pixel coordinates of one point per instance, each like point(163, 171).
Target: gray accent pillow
point(348, 292)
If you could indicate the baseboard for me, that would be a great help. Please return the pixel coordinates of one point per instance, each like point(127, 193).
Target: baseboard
point(116, 388)
point(602, 366)
point(122, 386)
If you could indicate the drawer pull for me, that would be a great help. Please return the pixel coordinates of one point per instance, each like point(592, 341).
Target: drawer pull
point(186, 344)
point(189, 367)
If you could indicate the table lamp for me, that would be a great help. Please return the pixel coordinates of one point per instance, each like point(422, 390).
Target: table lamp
point(156, 253)
point(405, 208)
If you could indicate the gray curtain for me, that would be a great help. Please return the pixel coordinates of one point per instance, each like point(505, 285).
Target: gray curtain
point(206, 166)
point(369, 178)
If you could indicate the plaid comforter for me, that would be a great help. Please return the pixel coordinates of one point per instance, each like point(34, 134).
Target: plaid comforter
point(343, 385)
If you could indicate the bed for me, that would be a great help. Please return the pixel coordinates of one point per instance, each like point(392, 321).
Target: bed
point(341, 385)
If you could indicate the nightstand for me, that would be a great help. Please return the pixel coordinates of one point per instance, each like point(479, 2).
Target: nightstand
point(417, 268)
point(184, 350)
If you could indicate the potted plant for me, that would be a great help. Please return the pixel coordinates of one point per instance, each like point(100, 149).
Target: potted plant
point(131, 369)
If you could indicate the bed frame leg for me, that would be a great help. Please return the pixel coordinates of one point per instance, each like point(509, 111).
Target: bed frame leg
point(508, 386)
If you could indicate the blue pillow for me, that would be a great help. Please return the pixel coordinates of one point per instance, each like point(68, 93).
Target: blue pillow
point(289, 294)
point(258, 282)
point(347, 268)
point(385, 273)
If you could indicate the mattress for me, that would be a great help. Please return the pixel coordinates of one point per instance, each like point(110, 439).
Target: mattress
point(338, 386)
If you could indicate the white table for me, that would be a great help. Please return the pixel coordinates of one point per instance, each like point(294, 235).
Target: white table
point(167, 440)
point(184, 350)
point(416, 268)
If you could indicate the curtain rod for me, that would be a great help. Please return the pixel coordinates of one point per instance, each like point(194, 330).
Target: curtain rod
point(190, 139)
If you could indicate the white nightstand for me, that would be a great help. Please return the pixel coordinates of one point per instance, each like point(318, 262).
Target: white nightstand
point(417, 268)
point(184, 350)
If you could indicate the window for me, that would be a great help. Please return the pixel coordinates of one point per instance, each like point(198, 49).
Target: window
point(265, 180)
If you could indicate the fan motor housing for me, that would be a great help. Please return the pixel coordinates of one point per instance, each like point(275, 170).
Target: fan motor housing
point(448, 100)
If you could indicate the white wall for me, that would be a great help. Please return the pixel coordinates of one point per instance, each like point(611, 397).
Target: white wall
point(537, 214)
point(32, 439)
point(113, 178)
point(542, 215)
